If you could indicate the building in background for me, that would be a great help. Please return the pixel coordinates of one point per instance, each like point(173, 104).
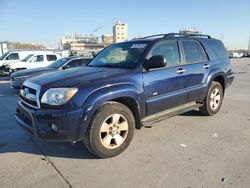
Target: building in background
point(86, 47)
point(81, 44)
point(120, 32)
point(78, 38)
point(107, 39)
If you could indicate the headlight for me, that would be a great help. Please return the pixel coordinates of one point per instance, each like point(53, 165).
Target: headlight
point(21, 78)
point(58, 96)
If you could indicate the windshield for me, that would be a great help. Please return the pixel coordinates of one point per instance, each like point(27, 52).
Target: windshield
point(122, 55)
point(27, 58)
point(4, 55)
point(58, 63)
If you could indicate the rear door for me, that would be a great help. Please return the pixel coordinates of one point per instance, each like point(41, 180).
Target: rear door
point(197, 67)
point(164, 88)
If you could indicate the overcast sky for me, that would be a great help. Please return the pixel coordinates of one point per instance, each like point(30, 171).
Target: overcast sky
point(45, 21)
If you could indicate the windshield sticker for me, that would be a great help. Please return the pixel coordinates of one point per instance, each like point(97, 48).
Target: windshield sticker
point(138, 45)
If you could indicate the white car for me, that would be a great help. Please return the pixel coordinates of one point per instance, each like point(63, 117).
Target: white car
point(13, 56)
point(34, 60)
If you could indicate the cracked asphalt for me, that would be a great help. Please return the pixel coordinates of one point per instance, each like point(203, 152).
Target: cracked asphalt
point(189, 150)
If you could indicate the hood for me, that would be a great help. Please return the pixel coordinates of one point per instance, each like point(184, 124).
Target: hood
point(76, 76)
point(33, 72)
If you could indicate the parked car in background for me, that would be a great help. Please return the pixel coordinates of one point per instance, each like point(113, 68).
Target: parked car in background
point(13, 56)
point(18, 55)
point(237, 55)
point(34, 60)
point(126, 86)
point(19, 77)
point(10, 57)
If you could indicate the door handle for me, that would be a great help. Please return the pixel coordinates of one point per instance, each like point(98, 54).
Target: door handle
point(206, 66)
point(181, 71)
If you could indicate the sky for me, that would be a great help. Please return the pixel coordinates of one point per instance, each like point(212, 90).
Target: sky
point(45, 21)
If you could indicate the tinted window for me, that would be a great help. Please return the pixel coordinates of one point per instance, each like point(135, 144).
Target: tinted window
point(218, 48)
point(51, 57)
point(169, 50)
point(85, 62)
point(58, 63)
point(38, 58)
point(13, 56)
point(74, 63)
point(203, 55)
point(191, 51)
point(4, 55)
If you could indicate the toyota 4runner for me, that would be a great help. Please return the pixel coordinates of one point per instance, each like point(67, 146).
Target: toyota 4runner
point(126, 86)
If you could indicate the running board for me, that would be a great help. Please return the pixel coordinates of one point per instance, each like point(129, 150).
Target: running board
point(148, 120)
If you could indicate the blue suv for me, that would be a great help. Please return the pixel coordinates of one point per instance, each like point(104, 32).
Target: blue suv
point(126, 86)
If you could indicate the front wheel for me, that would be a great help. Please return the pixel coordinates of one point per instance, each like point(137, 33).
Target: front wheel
point(111, 131)
point(213, 100)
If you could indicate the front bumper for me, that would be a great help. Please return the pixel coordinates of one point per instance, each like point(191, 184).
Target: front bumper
point(38, 122)
point(4, 70)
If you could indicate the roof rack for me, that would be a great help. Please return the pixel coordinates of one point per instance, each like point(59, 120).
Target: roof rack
point(169, 35)
point(186, 35)
point(152, 36)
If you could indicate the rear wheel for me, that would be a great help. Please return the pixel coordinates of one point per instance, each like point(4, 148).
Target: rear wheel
point(111, 131)
point(213, 100)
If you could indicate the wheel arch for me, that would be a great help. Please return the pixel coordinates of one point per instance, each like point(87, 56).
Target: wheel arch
point(218, 77)
point(128, 95)
point(221, 80)
point(133, 105)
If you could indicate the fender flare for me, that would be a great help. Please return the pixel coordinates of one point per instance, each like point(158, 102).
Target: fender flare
point(105, 94)
point(212, 75)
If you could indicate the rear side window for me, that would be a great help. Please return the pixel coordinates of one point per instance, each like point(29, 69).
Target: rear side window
point(193, 52)
point(85, 62)
point(13, 56)
point(218, 48)
point(51, 57)
point(168, 49)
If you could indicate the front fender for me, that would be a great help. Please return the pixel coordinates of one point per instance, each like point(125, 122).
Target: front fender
point(112, 92)
point(104, 94)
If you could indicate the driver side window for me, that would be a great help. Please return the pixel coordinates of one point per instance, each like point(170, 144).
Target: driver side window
point(74, 63)
point(38, 58)
point(168, 49)
point(13, 56)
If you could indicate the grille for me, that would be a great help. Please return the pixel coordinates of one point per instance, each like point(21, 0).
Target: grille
point(29, 94)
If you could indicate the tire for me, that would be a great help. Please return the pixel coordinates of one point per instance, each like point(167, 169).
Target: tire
point(213, 100)
point(111, 130)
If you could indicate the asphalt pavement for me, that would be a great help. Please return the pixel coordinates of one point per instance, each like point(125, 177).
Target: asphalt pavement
point(188, 150)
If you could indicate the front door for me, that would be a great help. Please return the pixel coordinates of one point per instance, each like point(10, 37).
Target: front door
point(164, 88)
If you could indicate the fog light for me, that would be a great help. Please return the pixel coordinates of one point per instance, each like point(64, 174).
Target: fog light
point(54, 128)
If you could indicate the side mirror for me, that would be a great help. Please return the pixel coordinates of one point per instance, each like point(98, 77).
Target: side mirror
point(65, 67)
point(30, 61)
point(156, 61)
